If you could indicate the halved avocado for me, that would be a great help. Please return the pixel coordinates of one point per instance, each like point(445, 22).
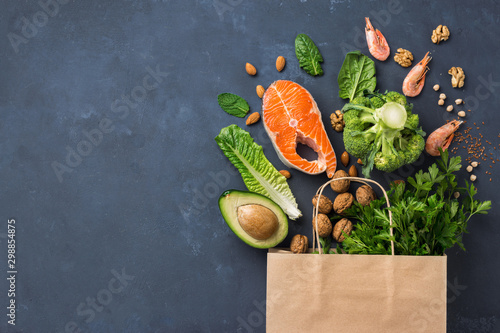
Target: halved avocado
point(255, 219)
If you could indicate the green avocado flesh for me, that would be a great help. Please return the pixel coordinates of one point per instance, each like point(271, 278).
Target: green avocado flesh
point(255, 219)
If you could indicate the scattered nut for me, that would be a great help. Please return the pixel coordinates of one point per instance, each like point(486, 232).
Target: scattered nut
point(456, 195)
point(441, 102)
point(442, 96)
point(440, 33)
point(324, 225)
point(280, 63)
point(260, 91)
point(299, 244)
point(360, 162)
point(457, 77)
point(344, 158)
point(436, 87)
point(461, 114)
point(473, 178)
point(404, 57)
point(250, 69)
point(343, 226)
point(449, 108)
point(342, 202)
point(458, 101)
point(340, 186)
point(337, 120)
point(474, 164)
point(353, 172)
point(469, 168)
point(253, 118)
point(365, 194)
point(286, 173)
point(325, 204)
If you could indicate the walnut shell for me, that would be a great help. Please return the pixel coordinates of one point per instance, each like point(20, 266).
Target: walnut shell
point(299, 244)
point(325, 204)
point(340, 186)
point(457, 77)
point(342, 202)
point(341, 227)
point(324, 225)
point(403, 57)
point(365, 194)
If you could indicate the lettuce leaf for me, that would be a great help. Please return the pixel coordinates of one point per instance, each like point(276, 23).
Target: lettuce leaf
point(258, 173)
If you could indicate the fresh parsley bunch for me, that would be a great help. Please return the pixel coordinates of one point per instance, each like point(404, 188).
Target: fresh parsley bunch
point(428, 216)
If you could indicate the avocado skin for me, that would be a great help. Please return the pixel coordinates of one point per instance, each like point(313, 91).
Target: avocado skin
point(230, 200)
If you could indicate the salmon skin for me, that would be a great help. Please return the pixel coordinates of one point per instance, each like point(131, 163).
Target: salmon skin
point(290, 116)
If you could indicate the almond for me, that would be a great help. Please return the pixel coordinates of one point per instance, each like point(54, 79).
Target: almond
point(344, 158)
point(280, 63)
point(360, 162)
point(260, 91)
point(353, 172)
point(286, 173)
point(250, 69)
point(253, 118)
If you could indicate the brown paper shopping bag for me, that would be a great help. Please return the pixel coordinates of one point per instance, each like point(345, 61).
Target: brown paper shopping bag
point(355, 293)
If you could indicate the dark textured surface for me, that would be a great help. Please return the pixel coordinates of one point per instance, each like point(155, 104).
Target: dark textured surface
point(143, 200)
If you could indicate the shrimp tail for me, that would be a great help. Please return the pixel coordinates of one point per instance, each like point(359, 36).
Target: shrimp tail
point(427, 58)
point(369, 25)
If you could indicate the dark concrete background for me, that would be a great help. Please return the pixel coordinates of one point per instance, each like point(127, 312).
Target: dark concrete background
point(142, 203)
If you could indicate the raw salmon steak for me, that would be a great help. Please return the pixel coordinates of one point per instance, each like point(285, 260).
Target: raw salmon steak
point(291, 116)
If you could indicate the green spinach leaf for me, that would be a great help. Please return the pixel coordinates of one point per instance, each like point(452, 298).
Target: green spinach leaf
point(308, 55)
point(357, 74)
point(233, 104)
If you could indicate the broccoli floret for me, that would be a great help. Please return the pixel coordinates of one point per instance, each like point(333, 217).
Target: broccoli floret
point(356, 145)
point(361, 100)
point(387, 136)
point(376, 102)
point(414, 148)
point(394, 96)
point(388, 163)
point(411, 120)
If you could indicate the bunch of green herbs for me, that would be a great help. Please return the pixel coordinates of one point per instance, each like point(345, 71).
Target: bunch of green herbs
point(428, 215)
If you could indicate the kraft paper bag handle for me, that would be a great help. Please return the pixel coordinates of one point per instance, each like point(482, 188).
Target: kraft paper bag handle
point(356, 179)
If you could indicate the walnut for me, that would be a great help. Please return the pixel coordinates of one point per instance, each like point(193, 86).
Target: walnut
point(299, 244)
point(440, 33)
point(342, 202)
point(457, 77)
point(340, 186)
point(325, 204)
point(341, 227)
point(337, 120)
point(324, 225)
point(365, 194)
point(404, 57)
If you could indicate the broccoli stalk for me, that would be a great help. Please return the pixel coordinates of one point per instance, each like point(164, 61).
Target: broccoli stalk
point(382, 131)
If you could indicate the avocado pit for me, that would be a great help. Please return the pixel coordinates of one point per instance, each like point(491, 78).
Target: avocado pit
point(258, 221)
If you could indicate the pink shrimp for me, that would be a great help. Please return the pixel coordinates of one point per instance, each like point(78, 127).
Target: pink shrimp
point(376, 42)
point(414, 81)
point(441, 138)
